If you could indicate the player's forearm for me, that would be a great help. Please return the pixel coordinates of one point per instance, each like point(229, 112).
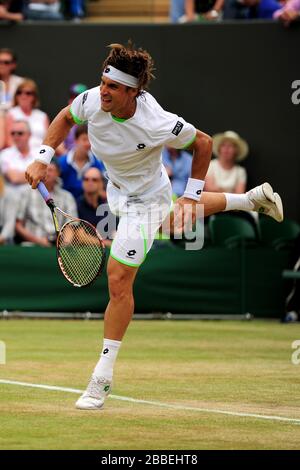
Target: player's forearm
point(201, 156)
point(59, 128)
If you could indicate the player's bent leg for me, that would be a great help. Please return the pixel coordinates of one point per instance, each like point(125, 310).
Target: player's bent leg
point(116, 320)
point(260, 199)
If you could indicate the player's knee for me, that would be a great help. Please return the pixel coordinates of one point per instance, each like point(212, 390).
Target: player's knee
point(119, 286)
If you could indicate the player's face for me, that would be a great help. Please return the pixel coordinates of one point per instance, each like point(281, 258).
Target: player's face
point(116, 98)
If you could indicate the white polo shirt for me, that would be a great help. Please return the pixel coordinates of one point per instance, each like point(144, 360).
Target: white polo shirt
point(131, 149)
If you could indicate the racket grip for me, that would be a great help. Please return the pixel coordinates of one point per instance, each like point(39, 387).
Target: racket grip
point(43, 191)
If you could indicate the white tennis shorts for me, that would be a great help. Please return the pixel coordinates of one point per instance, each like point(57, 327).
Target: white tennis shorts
point(140, 218)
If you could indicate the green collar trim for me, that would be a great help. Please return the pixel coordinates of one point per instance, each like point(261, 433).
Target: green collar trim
point(118, 119)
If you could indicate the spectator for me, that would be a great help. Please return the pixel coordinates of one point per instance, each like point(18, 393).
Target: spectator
point(8, 64)
point(266, 8)
point(34, 221)
point(26, 104)
point(176, 10)
point(93, 196)
point(2, 129)
point(14, 160)
point(224, 175)
point(7, 214)
point(240, 9)
point(208, 10)
point(178, 164)
point(43, 10)
point(289, 12)
point(6, 14)
point(77, 161)
point(74, 91)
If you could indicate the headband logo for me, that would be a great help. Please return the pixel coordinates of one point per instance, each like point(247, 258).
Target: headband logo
point(107, 70)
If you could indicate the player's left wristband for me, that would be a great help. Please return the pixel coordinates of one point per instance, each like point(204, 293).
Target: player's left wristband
point(45, 154)
point(194, 189)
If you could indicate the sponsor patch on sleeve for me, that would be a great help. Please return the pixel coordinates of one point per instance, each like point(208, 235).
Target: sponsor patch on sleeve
point(178, 127)
point(84, 98)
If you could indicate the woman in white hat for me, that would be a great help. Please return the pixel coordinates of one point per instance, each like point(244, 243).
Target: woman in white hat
point(224, 174)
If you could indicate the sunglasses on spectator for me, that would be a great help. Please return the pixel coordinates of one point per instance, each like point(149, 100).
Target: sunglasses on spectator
point(86, 178)
point(24, 92)
point(17, 133)
point(6, 62)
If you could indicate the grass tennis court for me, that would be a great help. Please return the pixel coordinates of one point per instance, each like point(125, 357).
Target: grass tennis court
point(242, 367)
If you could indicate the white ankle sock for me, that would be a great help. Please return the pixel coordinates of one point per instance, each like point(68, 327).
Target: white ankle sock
point(239, 202)
point(105, 365)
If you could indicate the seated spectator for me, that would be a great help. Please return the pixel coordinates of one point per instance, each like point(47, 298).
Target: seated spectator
point(7, 213)
point(178, 164)
point(177, 10)
point(74, 9)
point(14, 160)
point(266, 8)
point(43, 10)
point(6, 14)
point(77, 161)
point(34, 221)
point(289, 12)
point(93, 196)
point(8, 64)
point(26, 104)
point(198, 10)
point(2, 129)
point(240, 9)
point(69, 142)
point(224, 175)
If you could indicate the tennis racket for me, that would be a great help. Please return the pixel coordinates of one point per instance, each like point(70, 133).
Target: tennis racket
point(79, 247)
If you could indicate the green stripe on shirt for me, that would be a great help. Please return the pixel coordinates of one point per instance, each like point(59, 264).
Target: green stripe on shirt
point(75, 118)
point(190, 142)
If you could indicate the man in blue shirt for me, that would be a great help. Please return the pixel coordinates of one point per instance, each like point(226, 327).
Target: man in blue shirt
point(178, 164)
point(77, 161)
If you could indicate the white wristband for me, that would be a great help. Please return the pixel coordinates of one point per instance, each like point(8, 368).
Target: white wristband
point(194, 189)
point(45, 154)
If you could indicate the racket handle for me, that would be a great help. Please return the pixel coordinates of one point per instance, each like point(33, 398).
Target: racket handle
point(43, 191)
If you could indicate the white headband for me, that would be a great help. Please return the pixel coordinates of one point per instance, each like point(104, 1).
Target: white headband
point(120, 77)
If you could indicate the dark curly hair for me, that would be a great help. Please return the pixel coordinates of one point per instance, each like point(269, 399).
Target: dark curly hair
point(136, 62)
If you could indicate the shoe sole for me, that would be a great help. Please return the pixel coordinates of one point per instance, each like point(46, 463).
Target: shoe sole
point(92, 408)
point(279, 207)
point(268, 192)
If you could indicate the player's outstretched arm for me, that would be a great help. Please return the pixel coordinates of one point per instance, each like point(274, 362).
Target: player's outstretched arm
point(185, 209)
point(57, 132)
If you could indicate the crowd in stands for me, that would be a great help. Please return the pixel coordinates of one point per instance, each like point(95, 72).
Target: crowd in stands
point(41, 10)
point(75, 177)
point(183, 11)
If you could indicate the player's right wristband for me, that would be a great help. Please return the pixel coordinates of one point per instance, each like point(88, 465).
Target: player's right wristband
point(45, 154)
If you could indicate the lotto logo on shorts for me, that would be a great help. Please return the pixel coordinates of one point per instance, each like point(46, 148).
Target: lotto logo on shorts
point(131, 253)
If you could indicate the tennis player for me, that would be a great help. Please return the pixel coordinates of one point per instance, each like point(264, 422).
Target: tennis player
point(128, 129)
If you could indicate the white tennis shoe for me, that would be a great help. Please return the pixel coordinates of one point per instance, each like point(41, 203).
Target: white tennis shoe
point(94, 396)
point(266, 201)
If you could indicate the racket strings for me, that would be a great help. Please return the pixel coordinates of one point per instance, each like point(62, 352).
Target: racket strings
point(80, 252)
